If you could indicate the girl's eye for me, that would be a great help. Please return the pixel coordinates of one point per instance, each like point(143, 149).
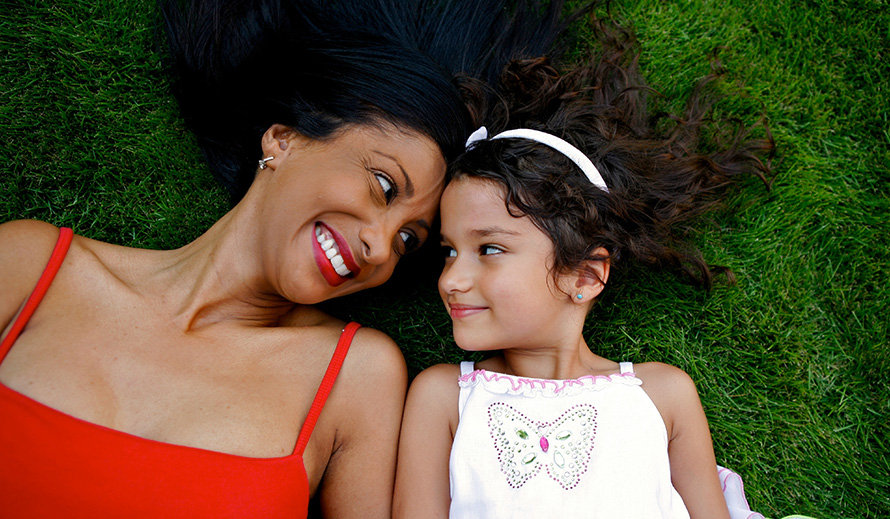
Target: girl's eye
point(488, 250)
point(409, 240)
point(389, 188)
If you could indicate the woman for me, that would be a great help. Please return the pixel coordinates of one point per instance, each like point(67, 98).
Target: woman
point(201, 381)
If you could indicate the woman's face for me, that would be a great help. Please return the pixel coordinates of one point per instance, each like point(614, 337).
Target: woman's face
point(337, 214)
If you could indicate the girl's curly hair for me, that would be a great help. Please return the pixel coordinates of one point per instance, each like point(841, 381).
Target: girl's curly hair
point(660, 173)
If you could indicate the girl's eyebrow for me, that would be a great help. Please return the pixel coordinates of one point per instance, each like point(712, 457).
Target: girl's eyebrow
point(487, 232)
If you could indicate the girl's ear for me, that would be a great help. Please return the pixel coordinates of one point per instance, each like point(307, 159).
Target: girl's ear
point(592, 276)
point(277, 142)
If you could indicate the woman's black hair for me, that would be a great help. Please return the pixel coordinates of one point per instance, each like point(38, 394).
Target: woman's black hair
point(239, 66)
point(659, 171)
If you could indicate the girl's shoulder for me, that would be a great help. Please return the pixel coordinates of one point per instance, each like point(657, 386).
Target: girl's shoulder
point(436, 389)
point(671, 390)
point(433, 396)
point(438, 379)
point(660, 378)
point(659, 372)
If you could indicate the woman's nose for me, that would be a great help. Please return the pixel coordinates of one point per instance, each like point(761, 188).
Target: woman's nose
point(377, 242)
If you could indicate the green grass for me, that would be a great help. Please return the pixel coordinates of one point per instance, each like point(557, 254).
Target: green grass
point(791, 361)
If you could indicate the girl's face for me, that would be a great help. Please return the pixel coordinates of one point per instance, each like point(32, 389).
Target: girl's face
point(336, 215)
point(497, 284)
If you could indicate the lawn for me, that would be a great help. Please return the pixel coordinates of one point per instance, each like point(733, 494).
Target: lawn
point(791, 361)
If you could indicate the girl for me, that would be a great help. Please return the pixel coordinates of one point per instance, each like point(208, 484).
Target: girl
point(534, 221)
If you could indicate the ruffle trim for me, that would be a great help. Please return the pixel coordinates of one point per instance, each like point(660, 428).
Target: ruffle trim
point(501, 383)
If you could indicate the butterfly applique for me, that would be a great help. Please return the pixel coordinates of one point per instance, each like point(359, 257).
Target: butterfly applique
point(525, 446)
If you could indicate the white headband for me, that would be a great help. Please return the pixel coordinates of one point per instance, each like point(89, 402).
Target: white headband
point(571, 152)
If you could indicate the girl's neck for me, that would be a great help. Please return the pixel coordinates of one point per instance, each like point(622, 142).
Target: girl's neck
point(563, 363)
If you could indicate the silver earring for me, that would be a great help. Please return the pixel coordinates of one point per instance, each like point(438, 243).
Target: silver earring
point(264, 161)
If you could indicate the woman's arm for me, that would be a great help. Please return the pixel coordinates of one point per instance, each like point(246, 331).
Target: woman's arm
point(690, 449)
point(358, 479)
point(422, 480)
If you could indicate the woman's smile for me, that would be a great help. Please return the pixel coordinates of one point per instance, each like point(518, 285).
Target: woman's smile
point(333, 256)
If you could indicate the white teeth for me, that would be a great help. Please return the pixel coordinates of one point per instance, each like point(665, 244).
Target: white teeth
point(329, 246)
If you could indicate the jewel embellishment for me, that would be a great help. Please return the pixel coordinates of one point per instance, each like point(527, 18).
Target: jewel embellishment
point(525, 446)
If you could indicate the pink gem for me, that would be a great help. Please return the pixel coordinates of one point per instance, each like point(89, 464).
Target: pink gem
point(544, 443)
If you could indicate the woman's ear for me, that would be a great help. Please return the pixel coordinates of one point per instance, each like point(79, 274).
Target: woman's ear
point(591, 276)
point(277, 143)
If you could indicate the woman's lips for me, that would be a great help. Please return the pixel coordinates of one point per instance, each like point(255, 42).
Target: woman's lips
point(333, 256)
point(459, 311)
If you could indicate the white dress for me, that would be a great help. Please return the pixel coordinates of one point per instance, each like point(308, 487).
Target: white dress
point(593, 447)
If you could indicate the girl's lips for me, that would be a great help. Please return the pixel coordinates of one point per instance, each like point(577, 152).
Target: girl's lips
point(459, 311)
point(339, 249)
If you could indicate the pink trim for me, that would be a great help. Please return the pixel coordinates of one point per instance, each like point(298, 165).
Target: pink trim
point(517, 383)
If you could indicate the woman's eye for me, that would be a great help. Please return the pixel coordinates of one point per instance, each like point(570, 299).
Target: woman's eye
point(410, 241)
point(389, 188)
point(449, 252)
point(488, 250)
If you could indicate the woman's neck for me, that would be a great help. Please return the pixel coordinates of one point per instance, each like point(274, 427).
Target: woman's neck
point(216, 278)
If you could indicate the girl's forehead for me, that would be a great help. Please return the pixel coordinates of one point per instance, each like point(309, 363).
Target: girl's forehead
point(468, 194)
point(465, 187)
point(475, 206)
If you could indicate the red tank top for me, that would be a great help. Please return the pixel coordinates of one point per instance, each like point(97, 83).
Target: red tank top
point(55, 465)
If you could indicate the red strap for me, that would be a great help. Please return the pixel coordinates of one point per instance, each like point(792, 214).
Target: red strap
point(46, 279)
point(327, 384)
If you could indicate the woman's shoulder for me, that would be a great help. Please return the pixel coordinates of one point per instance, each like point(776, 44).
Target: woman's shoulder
point(370, 350)
point(25, 238)
point(372, 354)
point(25, 248)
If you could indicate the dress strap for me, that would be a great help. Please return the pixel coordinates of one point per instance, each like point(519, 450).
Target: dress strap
point(626, 367)
point(327, 384)
point(46, 279)
point(467, 366)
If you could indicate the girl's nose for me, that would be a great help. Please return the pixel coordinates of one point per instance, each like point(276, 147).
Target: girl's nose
point(455, 277)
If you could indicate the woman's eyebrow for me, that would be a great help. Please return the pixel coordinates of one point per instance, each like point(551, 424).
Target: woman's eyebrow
point(409, 186)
